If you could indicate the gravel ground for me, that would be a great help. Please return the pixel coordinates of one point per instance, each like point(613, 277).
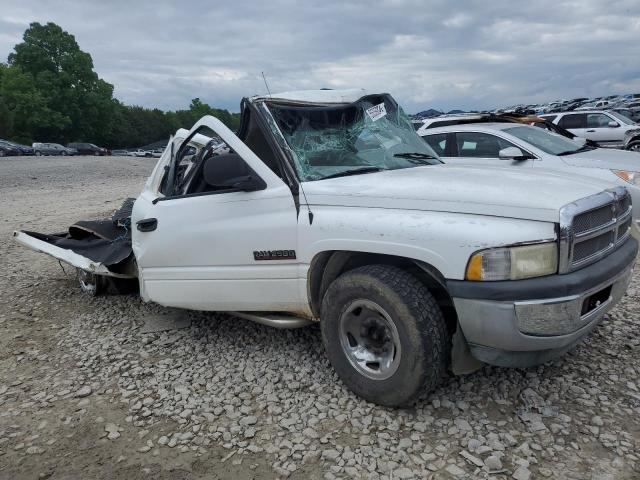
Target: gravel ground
point(84, 393)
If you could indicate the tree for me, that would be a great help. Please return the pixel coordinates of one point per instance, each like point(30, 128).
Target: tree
point(64, 77)
point(25, 110)
point(49, 91)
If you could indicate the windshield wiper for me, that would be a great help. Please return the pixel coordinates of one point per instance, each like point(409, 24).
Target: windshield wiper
point(415, 155)
point(354, 171)
point(583, 148)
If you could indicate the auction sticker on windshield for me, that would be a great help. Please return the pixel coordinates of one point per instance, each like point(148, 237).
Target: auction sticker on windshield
point(376, 112)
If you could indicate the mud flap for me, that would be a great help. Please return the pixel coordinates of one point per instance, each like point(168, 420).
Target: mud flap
point(462, 362)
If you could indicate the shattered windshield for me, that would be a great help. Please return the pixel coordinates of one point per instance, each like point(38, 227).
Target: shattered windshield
point(369, 135)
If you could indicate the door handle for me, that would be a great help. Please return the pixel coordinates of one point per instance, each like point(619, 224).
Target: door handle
point(591, 131)
point(147, 224)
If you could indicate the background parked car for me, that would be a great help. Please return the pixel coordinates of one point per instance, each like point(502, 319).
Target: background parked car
point(428, 123)
point(606, 128)
point(88, 149)
point(53, 149)
point(24, 149)
point(593, 105)
point(9, 150)
point(121, 153)
point(141, 153)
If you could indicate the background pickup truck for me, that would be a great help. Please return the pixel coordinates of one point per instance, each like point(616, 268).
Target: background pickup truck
point(328, 207)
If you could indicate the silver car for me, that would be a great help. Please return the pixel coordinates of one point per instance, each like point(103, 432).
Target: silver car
point(52, 149)
point(607, 128)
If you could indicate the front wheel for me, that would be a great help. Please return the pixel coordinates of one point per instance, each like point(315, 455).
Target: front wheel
point(384, 334)
point(38, 153)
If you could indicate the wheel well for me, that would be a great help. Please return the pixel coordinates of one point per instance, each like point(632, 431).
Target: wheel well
point(327, 266)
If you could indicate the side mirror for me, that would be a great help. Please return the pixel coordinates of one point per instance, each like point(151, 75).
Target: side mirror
point(512, 153)
point(230, 171)
point(613, 124)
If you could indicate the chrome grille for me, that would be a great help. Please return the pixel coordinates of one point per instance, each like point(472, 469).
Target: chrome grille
point(625, 228)
point(593, 245)
point(593, 227)
point(593, 219)
point(623, 205)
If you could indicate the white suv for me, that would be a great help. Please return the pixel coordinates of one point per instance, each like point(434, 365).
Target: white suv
point(606, 128)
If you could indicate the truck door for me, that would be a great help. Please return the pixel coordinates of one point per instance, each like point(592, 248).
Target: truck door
point(223, 249)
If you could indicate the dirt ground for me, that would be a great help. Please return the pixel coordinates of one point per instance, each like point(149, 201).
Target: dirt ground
point(38, 300)
point(85, 394)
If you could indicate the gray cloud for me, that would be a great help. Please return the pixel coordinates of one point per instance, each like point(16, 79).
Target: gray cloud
point(469, 54)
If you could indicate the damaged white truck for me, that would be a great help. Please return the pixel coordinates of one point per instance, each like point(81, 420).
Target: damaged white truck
point(327, 207)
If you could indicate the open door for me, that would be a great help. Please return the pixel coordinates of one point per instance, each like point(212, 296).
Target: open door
point(215, 228)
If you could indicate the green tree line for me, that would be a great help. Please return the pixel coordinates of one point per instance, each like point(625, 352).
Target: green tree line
point(49, 92)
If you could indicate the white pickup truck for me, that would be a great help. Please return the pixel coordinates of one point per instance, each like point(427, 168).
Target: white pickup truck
point(327, 207)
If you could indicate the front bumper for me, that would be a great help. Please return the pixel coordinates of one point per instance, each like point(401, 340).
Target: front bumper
point(528, 322)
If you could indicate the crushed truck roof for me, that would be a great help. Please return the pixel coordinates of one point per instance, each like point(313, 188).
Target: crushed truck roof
point(316, 96)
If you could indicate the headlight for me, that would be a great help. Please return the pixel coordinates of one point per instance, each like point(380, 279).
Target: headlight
point(628, 176)
point(514, 263)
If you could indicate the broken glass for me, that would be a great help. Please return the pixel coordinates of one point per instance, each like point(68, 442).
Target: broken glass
point(326, 140)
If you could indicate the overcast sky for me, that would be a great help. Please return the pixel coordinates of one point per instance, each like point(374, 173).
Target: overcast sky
point(442, 54)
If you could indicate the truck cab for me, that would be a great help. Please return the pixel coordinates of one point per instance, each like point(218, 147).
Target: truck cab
point(328, 207)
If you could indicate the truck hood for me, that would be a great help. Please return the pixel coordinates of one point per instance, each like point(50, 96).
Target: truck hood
point(495, 191)
point(608, 158)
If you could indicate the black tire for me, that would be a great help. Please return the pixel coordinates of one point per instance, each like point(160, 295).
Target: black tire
point(634, 146)
point(420, 328)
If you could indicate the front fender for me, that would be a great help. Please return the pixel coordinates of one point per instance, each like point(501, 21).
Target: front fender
point(443, 240)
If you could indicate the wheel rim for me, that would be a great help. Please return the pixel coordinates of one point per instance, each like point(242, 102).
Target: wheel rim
point(635, 147)
point(88, 282)
point(370, 340)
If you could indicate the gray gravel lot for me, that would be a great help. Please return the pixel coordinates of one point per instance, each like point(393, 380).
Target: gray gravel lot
point(84, 393)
